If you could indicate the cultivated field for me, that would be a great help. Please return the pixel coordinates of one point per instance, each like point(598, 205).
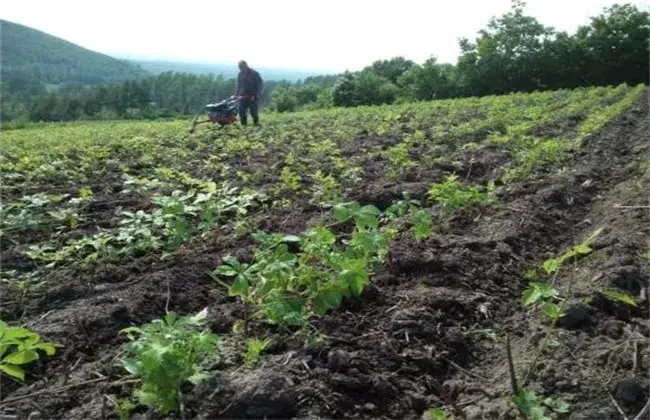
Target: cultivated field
point(352, 263)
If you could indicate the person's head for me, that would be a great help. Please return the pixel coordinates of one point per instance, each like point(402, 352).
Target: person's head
point(242, 65)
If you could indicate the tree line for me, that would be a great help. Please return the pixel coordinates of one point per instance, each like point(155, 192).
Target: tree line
point(514, 53)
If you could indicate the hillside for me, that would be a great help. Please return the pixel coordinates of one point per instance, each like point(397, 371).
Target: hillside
point(30, 56)
point(371, 262)
point(227, 70)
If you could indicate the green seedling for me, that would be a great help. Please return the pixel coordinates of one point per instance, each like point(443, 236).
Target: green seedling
point(254, 347)
point(452, 195)
point(19, 347)
point(165, 354)
point(534, 409)
point(436, 414)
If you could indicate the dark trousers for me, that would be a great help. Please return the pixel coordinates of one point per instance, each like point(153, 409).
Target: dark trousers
point(246, 104)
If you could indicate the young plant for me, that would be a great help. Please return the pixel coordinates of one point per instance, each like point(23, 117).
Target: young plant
point(419, 218)
point(290, 179)
point(18, 347)
point(534, 409)
point(435, 414)
point(552, 301)
point(552, 265)
point(531, 154)
point(254, 347)
point(543, 293)
point(452, 195)
point(288, 288)
point(166, 353)
point(325, 189)
point(399, 159)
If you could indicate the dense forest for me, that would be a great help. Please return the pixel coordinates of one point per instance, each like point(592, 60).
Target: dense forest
point(515, 53)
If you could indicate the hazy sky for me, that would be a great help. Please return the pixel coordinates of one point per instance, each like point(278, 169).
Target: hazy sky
point(310, 34)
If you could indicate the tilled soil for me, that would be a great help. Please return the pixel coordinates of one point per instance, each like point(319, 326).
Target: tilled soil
point(429, 332)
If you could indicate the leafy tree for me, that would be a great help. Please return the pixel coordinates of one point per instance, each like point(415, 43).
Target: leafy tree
point(503, 58)
point(344, 93)
point(391, 69)
point(283, 100)
point(616, 44)
point(429, 81)
point(373, 89)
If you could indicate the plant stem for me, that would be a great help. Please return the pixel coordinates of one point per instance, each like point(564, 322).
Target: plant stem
point(511, 368)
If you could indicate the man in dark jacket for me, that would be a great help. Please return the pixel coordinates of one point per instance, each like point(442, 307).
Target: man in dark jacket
point(249, 92)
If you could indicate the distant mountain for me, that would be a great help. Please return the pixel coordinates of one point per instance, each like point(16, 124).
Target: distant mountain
point(30, 58)
point(227, 70)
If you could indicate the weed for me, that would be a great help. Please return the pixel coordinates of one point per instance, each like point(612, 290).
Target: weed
point(290, 179)
point(452, 195)
point(435, 414)
point(420, 219)
point(531, 155)
point(254, 347)
point(166, 353)
point(534, 409)
point(288, 288)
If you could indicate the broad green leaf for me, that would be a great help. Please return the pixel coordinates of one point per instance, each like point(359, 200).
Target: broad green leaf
point(132, 366)
point(197, 378)
point(395, 210)
point(368, 216)
point(13, 371)
point(326, 300)
point(545, 289)
point(551, 265)
point(21, 357)
point(531, 296)
point(370, 210)
point(18, 332)
point(344, 211)
point(48, 348)
point(583, 249)
point(239, 287)
point(551, 310)
point(436, 414)
point(356, 276)
point(617, 296)
point(264, 238)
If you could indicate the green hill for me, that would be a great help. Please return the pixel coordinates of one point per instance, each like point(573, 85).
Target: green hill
point(31, 59)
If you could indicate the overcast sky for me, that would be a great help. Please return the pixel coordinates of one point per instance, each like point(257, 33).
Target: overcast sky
point(311, 34)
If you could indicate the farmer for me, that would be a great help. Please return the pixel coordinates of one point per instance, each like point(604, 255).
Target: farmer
point(249, 91)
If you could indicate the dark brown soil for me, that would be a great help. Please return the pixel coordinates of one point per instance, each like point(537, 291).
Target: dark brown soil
point(428, 333)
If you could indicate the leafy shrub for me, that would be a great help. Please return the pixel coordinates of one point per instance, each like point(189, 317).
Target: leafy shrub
point(289, 288)
point(166, 353)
